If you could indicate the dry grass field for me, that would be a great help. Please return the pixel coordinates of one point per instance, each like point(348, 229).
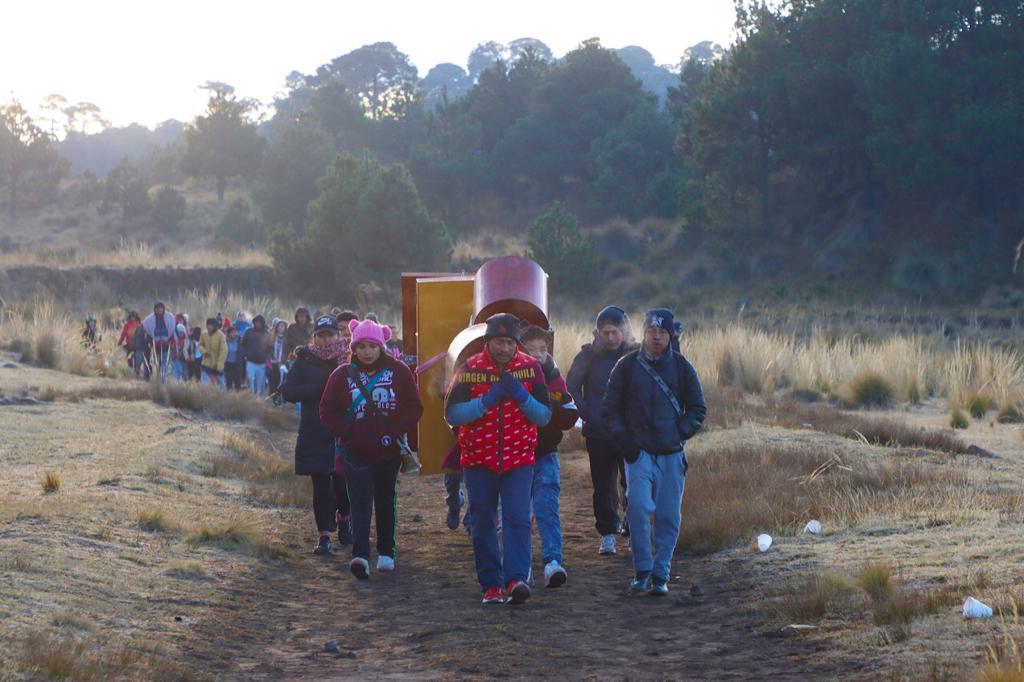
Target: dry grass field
point(151, 533)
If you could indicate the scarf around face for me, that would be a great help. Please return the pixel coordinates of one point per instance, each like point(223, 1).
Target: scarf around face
point(336, 350)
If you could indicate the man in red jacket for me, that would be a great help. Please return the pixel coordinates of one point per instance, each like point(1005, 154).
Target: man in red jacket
point(498, 399)
point(369, 404)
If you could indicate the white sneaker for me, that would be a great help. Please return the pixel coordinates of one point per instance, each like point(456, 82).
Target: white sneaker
point(360, 568)
point(385, 564)
point(607, 545)
point(554, 574)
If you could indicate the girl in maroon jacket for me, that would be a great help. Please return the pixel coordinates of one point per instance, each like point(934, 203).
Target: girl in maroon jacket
point(369, 404)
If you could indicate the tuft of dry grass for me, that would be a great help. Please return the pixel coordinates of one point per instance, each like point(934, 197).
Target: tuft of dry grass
point(51, 483)
point(978, 404)
point(729, 407)
point(235, 535)
point(186, 569)
point(89, 659)
point(735, 493)
point(1010, 414)
point(958, 419)
point(270, 475)
point(870, 389)
point(1004, 657)
point(875, 579)
point(234, 405)
point(155, 520)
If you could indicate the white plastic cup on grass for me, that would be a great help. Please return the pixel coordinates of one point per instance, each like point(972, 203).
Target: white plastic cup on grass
point(764, 541)
point(813, 527)
point(975, 609)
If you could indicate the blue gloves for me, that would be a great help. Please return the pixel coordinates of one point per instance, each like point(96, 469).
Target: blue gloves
point(513, 388)
point(494, 396)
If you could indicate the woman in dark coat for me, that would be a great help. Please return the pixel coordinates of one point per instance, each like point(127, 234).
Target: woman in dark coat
point(314, 448)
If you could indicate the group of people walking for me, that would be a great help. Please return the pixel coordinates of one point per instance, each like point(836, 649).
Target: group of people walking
point(238, 354)
point(509, 407)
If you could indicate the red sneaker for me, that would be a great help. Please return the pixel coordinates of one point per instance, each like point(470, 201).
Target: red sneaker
point(518, 591)
point(494, 595)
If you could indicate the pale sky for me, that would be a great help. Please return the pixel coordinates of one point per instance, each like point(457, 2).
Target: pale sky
point(141, 61)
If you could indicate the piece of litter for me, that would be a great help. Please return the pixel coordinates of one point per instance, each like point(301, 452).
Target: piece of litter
point(809, 426)
point(800, 626)
point(813, 527)
point(975, 609)
point(331, 647)
point(764, 541)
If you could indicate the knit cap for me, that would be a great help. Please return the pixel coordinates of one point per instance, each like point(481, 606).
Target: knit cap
point(369, 331)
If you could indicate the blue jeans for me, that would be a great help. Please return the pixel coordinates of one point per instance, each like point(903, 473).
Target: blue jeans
point(256, 373)
point(655, 486)
point(178, 367)
point(512, 489)
point(547, 487)
point(453, 495)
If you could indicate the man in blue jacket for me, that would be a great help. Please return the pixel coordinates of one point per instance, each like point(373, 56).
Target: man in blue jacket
point(653, 405)
point(587, 379)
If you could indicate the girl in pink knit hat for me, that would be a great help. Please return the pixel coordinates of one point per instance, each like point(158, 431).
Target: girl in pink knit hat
point(369, 404)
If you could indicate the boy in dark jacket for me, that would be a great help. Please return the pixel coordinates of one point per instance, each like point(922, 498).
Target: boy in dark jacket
point(254, 349)
point(653, 405)
point(587, 380)
point(314, 448)
point(369, 404)
point(300, 332)
point(547, 484)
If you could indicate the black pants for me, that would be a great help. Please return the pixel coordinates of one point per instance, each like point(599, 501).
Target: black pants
point(606, 466)
point(323, 502)
point(369, 486)
point(195, 370)
point(341, 496)
point(234, 375)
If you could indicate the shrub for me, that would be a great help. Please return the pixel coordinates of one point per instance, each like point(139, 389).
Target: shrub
point(51, 483)
point(978, 404)
point(186, 569)
point(876, 579)
point(153, 520)
point(559, 245)
point(169, 209)
point(870, 389)
point(47, 350)
point(958, 419)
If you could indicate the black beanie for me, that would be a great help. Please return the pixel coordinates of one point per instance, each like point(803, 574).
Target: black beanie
point(503, 325)
point(612, 314)
point(663, 318)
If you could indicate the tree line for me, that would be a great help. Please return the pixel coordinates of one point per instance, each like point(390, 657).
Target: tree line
point(907, 112)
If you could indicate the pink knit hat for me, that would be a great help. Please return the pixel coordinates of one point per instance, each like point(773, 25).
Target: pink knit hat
point(370, 331)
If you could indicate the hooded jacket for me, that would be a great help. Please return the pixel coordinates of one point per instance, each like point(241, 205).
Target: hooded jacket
point(370, 434)
point(564, 412)
point(304, 383)
point(299, 333)
point(587, 380)
point(639, 415)
point(215, 350)
point(255, 345)
point(149, 324)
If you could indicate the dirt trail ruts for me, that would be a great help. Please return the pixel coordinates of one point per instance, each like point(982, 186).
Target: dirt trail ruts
point(426, 620)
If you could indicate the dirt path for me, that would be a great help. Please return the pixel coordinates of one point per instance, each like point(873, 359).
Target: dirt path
point(426, 619)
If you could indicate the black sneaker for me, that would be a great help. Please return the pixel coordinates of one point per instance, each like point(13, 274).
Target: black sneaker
point(345, 532)
point(323, 546)
point(659, 587)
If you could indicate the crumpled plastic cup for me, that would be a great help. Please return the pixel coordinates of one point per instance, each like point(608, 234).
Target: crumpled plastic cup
point(764, 541)
point(975, 609)
point(813, 527)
